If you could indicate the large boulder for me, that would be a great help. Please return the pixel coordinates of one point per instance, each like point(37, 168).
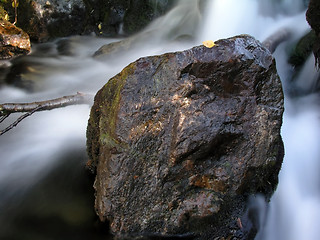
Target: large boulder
point(179, 141)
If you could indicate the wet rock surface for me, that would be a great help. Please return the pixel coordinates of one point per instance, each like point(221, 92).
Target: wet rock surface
point(13, 41)
point(179, 141)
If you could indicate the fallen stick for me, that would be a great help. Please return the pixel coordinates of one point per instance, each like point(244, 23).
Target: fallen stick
point(8, 108)
point(273, 41)
point(15, 123)
point(79, 98)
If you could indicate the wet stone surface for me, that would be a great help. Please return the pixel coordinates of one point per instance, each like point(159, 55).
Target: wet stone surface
point(179, 141)
point(13, 41)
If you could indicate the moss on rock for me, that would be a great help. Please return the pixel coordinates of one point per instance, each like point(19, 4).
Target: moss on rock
point(3, 13)
point(103, 132)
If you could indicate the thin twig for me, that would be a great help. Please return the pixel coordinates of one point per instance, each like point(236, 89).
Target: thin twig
point(4, 117)
point(15, 123)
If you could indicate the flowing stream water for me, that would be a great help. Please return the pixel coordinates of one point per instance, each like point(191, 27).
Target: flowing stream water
point(45, 193)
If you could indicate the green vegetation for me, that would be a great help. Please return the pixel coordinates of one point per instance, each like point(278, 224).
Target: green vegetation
point(3, 13)
point(109, 107)
point(8, 8)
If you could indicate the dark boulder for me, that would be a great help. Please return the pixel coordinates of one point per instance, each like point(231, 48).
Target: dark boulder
point(13, 41)
point(44, 20)
point(179, 141)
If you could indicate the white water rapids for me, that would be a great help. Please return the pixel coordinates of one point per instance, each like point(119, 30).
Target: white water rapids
point(42, 142)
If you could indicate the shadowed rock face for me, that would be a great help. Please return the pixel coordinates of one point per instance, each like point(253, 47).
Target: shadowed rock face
point(179, 141)
point(124, 16)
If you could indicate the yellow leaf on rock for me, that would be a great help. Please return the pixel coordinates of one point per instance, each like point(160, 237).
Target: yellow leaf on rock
point(209, 43)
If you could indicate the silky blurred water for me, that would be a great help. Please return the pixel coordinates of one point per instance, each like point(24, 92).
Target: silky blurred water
point(46, 152)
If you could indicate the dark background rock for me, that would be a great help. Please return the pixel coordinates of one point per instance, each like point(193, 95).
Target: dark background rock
point(44, 20)
point(116, 17)
point(179, 141)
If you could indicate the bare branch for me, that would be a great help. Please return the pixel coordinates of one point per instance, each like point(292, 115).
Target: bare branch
point(4, 117)
point(15, 123)
point(8, 108)
point(79, 98)
point(273, 41)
